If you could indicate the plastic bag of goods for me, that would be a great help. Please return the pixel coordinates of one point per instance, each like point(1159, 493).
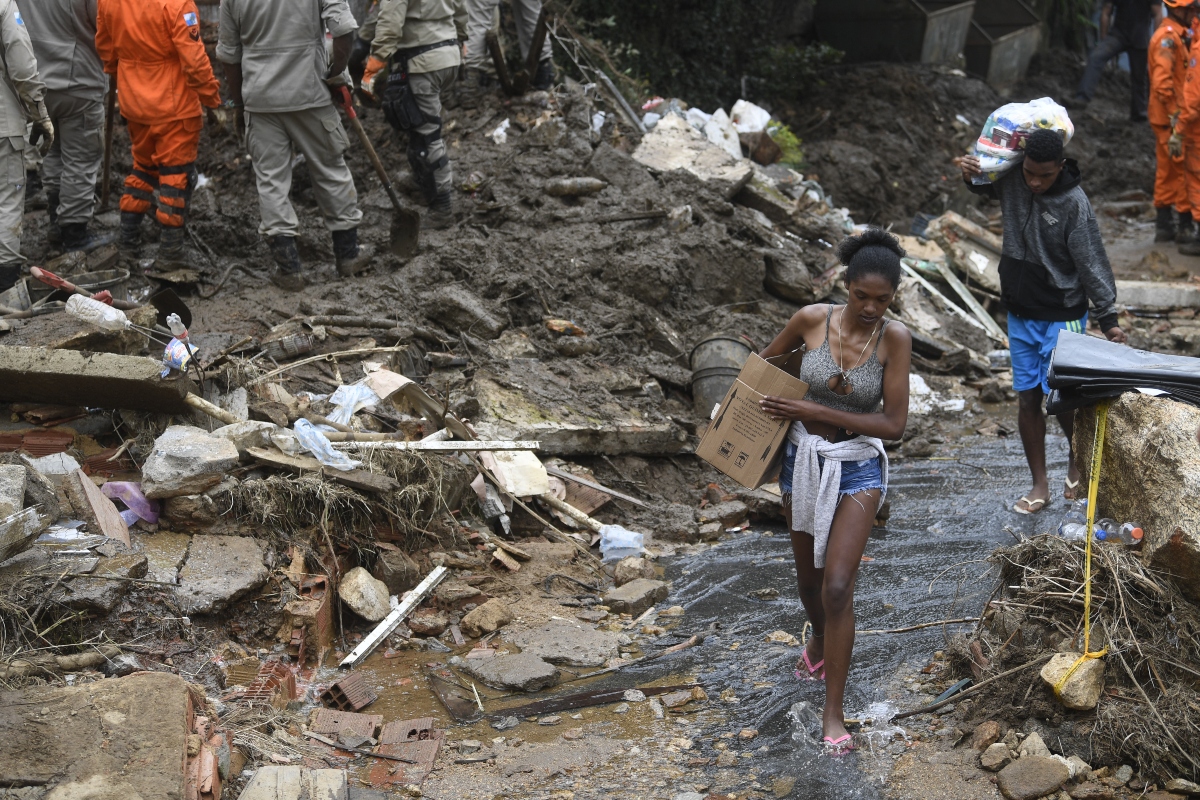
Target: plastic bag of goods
point(1001, 144)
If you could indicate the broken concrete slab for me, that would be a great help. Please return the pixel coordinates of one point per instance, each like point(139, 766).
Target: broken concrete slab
point(18, 531)
point(12, 489)
point(520, 671)
point(220, 570)
point(364, 595)
point(110, 583)
point(186, 460)
point(165, 553)
point(244, 435)
point(1158, 295)
point(296, 783)
point(636, 596)
point(675, 144)
point(568, 644)
point(93, 380)
point(491, 616)
point(97, 740)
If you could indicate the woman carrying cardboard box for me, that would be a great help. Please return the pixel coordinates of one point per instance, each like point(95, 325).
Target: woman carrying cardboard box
point(834, 473)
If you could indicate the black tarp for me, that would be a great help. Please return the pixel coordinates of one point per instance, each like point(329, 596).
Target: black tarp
point(1086, 369)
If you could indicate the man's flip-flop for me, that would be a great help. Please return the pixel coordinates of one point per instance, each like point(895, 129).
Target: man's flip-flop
point(1032, 506)
point(839, 746)
point(812, 669)
point(1069, 491)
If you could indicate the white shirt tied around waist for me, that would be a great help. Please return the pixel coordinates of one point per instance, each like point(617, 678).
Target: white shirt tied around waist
point(815, 493)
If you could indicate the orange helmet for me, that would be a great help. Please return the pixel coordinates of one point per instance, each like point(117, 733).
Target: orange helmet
point(1179, 3)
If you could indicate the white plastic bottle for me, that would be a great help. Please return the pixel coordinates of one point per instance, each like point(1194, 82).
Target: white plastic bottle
point(93, 312)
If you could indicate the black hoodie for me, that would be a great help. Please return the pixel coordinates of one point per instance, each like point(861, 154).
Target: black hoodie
point(1053, 260)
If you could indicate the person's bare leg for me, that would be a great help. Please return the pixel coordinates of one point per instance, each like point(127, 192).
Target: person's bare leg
point(847, 541)
point(1067, 423)
point(809, 580)
point(1031, 422)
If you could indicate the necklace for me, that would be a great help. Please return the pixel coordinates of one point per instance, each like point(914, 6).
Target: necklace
point(842, 384)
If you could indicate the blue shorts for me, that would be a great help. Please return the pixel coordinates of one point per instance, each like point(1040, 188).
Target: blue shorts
point(857, 476)
point(1031, 344)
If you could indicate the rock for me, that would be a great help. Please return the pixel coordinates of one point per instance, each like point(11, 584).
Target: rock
point(491, 616)
point(782, 787)
point(746, 734)
point(98, 594)
point(552, 719)
point(399, 572)
point(688, 796)
point(428, 623)
point(521, 671)
point(676, 523)
point(987, 734)
point(636, 596)
point(462, 310)
point(506, 723)
point(12, 489)
point(1080, 769)
point(220, 570)
point(675, 144)
point(454, 594)
point(165, 553)
point(1031, 777)
point(591, 614)
point(634, 696)
point(468, 746)
point(190, 511)
point(622, 708)
point(631, 568)
point(1090, 791)
point(996, 757)
point(54, 465)
point(726, 758)
point(788, 277)
point(245, 435)
point(1081, 691)
point(1033, 746)
point(1181, 786)
point(1162, 493)
point(568, 644)
point(365, 595)
point(186, 460)
point(1161, 796)
point(729, 513)
point(610, 164)
point(1124, 774)
point(710, 532)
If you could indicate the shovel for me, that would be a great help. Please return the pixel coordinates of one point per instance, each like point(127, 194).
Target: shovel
point(406, 223)
point(50, 279)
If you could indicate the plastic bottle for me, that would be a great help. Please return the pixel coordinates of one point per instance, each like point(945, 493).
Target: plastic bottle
point(1073, 531)
point(93, 312)
point(178, 329)
point(1105, 530)
point(1130, 533)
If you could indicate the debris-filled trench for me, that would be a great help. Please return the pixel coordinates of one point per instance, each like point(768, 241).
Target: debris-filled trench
point(440, 530)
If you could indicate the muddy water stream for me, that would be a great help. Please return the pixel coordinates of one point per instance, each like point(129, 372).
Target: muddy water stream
point(948, 514)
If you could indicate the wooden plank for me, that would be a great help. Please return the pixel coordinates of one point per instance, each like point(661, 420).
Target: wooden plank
point(455, 446)
point(988, 323)
point(951, 307)
point(560, 473)
point(359, 479)
point(93, 507)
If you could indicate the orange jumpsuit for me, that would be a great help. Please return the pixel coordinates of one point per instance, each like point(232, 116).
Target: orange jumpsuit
point(163, 78)
point(1168, 67)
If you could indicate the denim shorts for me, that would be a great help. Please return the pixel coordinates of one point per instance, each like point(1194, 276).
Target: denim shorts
point(857, 476)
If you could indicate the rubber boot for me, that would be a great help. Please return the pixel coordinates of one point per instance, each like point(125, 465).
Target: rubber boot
point(131, 235)
point(1164, 230)
point(351, 257)
point(287, 258)
point(1185, 231)
point(441, 212)
point(171, 252)
point(76, 236)
point(1190, 248)
point(543, 79)
point(53, 233)
point(9, 275)
point(469, 89)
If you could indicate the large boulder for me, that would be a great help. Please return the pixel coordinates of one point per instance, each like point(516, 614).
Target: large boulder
point(365, 595)
point(636, 596)
point(186, 460)
point(1031, 777)
point(491, 616)
point(398, 571)
point(1151, 475)
point(1081, 691)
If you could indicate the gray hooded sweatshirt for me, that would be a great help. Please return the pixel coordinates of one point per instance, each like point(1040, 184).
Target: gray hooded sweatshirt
point(1053, 260)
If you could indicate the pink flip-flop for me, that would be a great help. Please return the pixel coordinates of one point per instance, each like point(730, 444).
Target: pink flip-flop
point(839, 746)
point(812, 669)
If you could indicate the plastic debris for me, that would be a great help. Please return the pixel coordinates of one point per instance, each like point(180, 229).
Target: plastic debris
point(313, 441)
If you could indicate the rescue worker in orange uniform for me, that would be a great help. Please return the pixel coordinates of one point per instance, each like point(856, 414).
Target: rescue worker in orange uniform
point(1168, 58)
point(163, 78)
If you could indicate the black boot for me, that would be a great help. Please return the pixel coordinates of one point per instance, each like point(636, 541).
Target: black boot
point(543, 79)
point(1190, 248)
point(350, 256)
point(1185, 231)
point(53, 234)
point(283, 250)
point(76, 236)
point(441, 211)
point(1164, 230)
point(472, 87)
point(9, 275)
point(171, 252)
point(131, 230)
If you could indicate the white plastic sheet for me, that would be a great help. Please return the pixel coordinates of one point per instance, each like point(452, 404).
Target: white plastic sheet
point(314, 442)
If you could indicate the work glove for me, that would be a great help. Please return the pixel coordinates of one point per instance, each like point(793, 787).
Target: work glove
point(1175, 144)
point(43, 130)
point(218, 118)
point(374, 66)
point(336, 79)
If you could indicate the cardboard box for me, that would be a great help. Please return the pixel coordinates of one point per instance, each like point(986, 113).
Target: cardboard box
point(742, 441)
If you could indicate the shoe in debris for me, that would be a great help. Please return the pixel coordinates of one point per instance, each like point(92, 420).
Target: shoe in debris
point(288, 275)
point(1185, 231)
point(76, 236)
point(352, 258)
point(441, 212)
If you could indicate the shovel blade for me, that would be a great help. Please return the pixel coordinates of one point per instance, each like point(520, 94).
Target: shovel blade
point(406, 232)
point(166, 302)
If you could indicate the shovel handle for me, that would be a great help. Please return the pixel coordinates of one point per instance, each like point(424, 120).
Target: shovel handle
point(348, 105)
point(50, 279)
